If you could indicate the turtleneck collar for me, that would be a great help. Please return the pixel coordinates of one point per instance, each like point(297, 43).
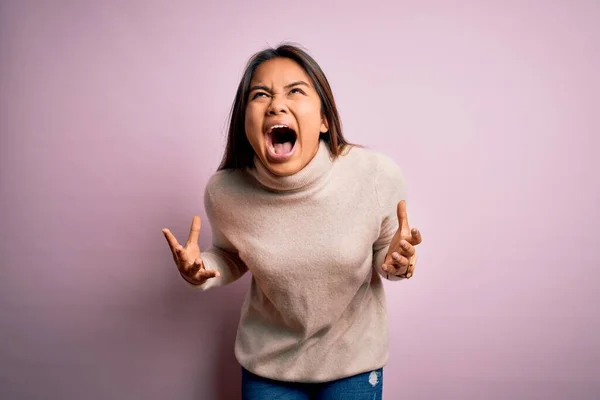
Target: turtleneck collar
point(312, 173)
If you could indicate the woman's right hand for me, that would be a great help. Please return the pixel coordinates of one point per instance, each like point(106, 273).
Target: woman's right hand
point(188, 260)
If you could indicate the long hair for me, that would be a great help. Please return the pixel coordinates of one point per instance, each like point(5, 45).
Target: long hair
point(238, 151)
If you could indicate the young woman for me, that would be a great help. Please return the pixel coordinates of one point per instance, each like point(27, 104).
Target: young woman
point(317, 221)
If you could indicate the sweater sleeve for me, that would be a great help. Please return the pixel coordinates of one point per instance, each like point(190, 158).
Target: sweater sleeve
point(222, 255)
point(390, 188)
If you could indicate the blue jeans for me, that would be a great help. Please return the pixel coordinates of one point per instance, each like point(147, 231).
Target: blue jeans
point(365, 386)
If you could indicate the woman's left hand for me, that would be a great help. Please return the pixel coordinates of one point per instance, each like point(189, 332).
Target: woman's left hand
point(401, 256)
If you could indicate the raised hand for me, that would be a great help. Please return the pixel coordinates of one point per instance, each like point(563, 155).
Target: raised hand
point(401, 256)
point(188, 260)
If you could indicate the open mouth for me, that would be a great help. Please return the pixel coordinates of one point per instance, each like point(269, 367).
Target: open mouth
point(281, 142)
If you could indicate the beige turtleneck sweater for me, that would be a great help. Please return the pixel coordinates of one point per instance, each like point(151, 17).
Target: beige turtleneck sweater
point(314, 243)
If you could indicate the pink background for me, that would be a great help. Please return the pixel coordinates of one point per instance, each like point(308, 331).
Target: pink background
point(112, 118)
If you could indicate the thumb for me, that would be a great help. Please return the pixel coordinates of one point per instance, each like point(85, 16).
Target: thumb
point(402, 217)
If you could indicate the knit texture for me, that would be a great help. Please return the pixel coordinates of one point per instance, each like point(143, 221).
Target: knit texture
point(314, 243)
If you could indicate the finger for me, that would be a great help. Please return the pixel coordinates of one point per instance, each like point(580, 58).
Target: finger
point(389, 269)
point(174, 256)
point(411, 266)
point(206, 274)
point(415, 237)
point(407, 249)
point(395, 258)
point(172, 244)
point(399, 261)
point(394, 269)
point(170, 239)
point(402, 216)
point(184, 260)
point(201, 276)
point(196, 266)
point(410, 271)
point(194, 230)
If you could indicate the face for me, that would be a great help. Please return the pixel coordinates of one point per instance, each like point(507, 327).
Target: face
point(283, 116)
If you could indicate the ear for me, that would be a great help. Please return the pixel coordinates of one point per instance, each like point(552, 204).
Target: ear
point(324, 124)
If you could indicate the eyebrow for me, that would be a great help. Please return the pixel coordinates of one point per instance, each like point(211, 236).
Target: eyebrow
point(268, 89)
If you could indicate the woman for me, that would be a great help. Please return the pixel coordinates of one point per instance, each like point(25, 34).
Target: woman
point(317, 221)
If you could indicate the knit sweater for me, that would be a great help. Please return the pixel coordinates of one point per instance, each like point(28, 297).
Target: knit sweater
point(314, 243)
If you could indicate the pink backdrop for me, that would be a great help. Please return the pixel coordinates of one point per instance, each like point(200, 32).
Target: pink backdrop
point(112, 118)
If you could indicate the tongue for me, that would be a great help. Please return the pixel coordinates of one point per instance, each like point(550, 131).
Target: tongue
point(283, 148)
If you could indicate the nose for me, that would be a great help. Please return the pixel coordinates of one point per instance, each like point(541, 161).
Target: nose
point(277, 107)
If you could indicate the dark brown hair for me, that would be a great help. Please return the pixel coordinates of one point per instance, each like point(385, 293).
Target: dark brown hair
point(238, 151)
